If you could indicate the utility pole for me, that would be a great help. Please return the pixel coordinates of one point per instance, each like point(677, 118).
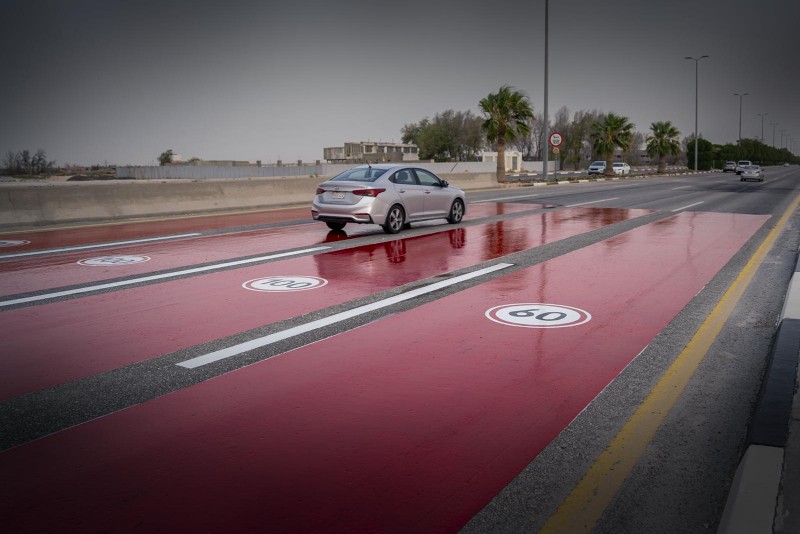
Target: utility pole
point(741, 96)
point(762, 115)
point(696, 62)
point(773, 124)
point(546, 128)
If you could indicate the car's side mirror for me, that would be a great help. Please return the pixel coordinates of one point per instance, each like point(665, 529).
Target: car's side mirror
point(444, 183)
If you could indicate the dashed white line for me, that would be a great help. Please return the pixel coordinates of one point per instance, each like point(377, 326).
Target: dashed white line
point(503, 198)
point(333, 319)
point(150, 278)
point(687, 207)
point(592, 202)
point(100, 245)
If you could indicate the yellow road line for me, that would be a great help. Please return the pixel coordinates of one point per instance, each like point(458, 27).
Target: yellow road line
point(582, 508)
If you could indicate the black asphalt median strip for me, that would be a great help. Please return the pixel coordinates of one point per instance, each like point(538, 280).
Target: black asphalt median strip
point(47, 411)
point(771, 420)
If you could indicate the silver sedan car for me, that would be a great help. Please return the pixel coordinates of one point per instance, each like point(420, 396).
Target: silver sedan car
point(751, 172)
point(389, 195)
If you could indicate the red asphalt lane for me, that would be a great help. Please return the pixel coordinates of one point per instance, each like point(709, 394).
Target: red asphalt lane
point(38, 273)
point(411, 423)
point(66, 236)
point(49, 344)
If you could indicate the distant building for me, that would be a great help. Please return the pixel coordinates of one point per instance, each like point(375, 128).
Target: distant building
point(513, 159)
point(371, 152)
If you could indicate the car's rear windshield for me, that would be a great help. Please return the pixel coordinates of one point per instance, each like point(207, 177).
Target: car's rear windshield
point(359, 174)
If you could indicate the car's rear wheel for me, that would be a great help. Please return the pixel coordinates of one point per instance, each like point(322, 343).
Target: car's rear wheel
point(456, 212)
point(395, 220)
point(333, 225)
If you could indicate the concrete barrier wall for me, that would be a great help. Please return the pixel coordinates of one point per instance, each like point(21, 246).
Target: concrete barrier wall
point(64, 202)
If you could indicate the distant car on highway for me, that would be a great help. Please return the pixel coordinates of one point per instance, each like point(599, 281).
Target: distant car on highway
point(621, 168)
point(751, 172)
point(389, 195)
point(785, 164)
point(741, 164)
point(597, 167)
point(729, 166)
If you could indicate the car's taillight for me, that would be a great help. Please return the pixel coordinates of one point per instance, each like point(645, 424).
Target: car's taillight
point(320, 190)
point(368, 192)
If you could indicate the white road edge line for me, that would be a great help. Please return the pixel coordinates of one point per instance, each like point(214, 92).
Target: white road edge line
point(101, 245)
point(333, 319)
point(682, 187)
point(174, 274)
point(689, 206)
point(592, 202)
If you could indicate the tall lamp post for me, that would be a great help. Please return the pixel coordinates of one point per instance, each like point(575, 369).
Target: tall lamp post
point(696, 62)
point(546, 129)
point(773, 124)
point(762, 115)
point(741, 96)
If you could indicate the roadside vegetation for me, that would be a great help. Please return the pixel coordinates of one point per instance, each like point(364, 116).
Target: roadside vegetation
point(24, 164)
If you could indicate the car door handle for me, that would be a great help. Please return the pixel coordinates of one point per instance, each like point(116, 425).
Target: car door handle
point(427, 192)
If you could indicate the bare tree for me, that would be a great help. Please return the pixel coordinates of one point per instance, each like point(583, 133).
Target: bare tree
point(529, 144)
point(633, 155)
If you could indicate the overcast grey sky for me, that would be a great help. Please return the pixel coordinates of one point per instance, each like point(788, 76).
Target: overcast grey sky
point(93, 81)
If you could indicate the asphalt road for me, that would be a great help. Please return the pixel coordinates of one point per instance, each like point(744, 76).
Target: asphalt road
point(145, 391)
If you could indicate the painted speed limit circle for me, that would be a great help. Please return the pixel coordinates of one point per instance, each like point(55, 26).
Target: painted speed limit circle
point(13, 243)
point(285, 283)
point(538, 315)
point(114, 260)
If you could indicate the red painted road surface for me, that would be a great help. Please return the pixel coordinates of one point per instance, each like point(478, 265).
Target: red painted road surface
point(408, 424)
point(38, 273)
point(53, 343)
point(80, 235)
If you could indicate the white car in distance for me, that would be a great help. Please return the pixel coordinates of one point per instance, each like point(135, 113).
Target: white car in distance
point(621, 167)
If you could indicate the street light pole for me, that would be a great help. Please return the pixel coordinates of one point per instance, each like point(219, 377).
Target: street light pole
point(696, 62)
point(773, 124)
point(741, 96)
point(546, 128)
point(762, 115)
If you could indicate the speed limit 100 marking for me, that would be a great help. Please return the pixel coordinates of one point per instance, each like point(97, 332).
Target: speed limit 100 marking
point(114, 260)
point(538, 315)
point(285, 283)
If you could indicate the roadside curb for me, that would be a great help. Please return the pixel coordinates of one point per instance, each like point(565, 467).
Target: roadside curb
point(757, 500)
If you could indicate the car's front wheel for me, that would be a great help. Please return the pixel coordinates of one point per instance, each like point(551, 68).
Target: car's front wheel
point(456, 212)
point(395, 220)
point(333, 225)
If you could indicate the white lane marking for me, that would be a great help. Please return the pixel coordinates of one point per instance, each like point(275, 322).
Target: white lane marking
point(333, 319)
point(592, 202)
point(682, 187)
point(101, 245)
point(153, 277)
point(689, 206)
point(502, 198)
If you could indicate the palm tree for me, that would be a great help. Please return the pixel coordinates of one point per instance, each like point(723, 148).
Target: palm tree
point(506, 114)
point(664, 141)
point(614, 131)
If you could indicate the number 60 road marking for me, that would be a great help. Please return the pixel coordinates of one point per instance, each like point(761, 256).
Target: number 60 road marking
point(538, 315)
